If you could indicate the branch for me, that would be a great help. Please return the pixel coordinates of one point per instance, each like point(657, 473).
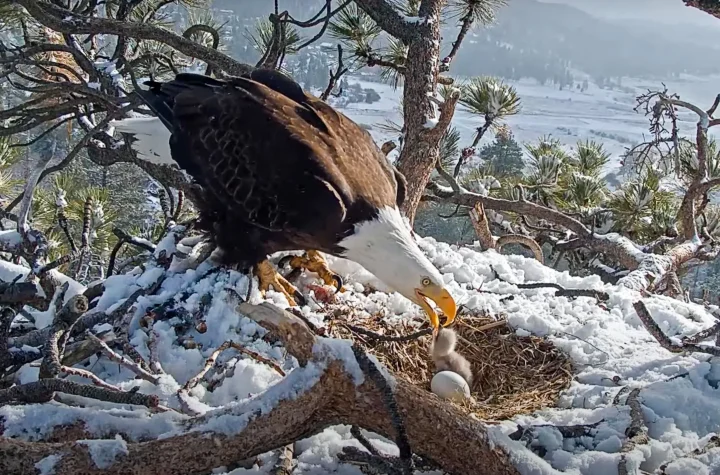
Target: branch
point(42, 391)
point(636, 432)
point(79, 147)
point(65, 21)
point(468, 198)
point(617, 247)
point(644, 315)
point(335, 76)
point(465, 25)
point(687, 212)
point(653, 267)
point(63, 321)
point(331, 387)
point(561, 291)
point(389, 19)
point(122, 360)
point(32, 182)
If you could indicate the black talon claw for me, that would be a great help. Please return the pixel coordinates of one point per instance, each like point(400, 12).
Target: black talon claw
point(299, 298)
point(338, 282)
point(284, 260)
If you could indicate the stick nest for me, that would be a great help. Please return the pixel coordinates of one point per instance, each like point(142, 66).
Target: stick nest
point(511, 374)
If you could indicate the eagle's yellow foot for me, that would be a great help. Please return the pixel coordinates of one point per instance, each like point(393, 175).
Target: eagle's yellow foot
point(314, 262)
point(268, 277)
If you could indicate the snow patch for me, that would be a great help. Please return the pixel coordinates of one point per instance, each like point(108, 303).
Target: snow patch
point(46, 466)
point(104, 452)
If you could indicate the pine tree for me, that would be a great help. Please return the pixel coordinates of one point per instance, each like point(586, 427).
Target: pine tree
point(504, 155)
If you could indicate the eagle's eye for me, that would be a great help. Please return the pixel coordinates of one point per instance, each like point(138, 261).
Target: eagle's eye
point(426, 281)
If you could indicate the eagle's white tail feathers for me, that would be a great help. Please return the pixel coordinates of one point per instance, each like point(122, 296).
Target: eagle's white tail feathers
point(152, 138)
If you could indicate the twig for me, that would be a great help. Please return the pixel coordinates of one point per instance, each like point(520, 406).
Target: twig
point(713, 443)
point(624, 390)
point(702, 335)
point(527, 434)
point(63, 223)
point(653, 328)
point(335, 76)
point(210, 362)
point(152, 344)
point(388, 338)
point(179, 206)
point(357, 433)
point(374, 464)
point(113, 256)
point(97, 381)
point(133, 240)
point(561, 291)
point(38, 337)
point(113, 356)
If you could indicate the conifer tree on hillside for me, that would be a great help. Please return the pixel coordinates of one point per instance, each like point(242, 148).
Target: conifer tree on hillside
point(503, 156)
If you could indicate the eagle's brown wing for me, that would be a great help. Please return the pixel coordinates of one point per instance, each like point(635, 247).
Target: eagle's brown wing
point(275, 163)
point(283, 84)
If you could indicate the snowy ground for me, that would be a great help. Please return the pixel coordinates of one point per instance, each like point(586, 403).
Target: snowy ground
point(598, 114)
point(609, 346)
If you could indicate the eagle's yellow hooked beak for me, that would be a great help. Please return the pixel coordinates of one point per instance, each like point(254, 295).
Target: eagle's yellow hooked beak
point(442, 299)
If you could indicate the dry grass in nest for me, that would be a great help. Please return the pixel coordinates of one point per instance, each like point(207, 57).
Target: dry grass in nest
point(511, 374)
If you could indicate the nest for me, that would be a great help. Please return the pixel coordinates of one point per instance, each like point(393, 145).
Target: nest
point(511, 374)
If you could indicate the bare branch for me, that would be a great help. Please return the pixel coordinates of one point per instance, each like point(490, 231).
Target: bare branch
point(82, 143)
point(42, 391)
point(63, 20)
point(335, 76)
point(644, 315)
point(122, 360)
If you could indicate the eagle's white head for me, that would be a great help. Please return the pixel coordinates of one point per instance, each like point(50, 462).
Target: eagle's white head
point(385, 246)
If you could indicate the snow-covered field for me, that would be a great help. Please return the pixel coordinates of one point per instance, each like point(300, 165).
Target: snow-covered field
point(609, 346)
point(599, 114)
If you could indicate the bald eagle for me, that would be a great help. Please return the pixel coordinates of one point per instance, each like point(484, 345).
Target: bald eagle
point(281, 170)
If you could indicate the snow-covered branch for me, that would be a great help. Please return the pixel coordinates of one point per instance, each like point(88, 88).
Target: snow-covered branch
point(329, 388)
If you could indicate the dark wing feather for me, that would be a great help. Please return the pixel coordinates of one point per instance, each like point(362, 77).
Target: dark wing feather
point(286, 86)
point(250, 162)
point(273, 156)
point(401, 186)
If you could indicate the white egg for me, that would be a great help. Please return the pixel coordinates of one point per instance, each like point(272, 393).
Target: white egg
point(450, 385)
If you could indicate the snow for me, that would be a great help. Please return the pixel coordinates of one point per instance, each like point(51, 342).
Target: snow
point(46, 466)
point(341, 350)
point(10, 239)
point(104, 452)
point(568, 115)
point(9, 272)
point(608, 344)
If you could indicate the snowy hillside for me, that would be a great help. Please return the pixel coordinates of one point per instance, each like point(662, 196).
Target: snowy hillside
point(611, 351)
point(603, 115)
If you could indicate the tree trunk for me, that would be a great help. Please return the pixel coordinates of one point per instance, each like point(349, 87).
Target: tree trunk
point(422, 143)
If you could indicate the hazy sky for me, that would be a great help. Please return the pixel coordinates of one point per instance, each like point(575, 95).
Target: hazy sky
point(667, 11)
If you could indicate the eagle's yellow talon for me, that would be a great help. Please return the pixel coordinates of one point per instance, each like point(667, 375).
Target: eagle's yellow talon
point(268, 277)
point(314, 262)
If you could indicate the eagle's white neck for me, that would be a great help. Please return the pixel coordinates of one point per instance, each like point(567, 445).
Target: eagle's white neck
point(386, 247)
